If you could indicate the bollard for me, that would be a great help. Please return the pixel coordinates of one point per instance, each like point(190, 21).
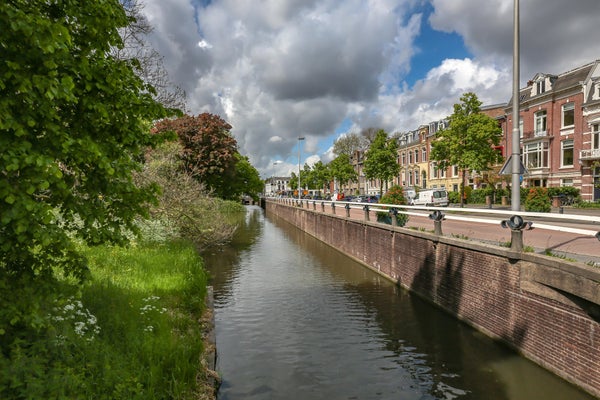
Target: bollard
point(314, 205)
point(516, 240)
point(516, 225)
point(367, 217)
point(393, 215)
point(437, 217)
point(347, 210)
point(333, 208)
point(437, 228)
point(322, 206)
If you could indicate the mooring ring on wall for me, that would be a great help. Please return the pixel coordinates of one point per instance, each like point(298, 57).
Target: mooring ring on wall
point(436, 215)
point(516, 223)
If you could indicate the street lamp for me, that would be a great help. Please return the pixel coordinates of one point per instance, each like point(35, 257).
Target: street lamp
point(299, 139)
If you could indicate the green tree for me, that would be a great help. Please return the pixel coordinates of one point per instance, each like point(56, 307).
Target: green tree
point(321, 175)
point(468, 141)
point(74, 126)
point(209, 149)
point(350, 143)
point(342, 171)
point(246, 181)
point(381, 159)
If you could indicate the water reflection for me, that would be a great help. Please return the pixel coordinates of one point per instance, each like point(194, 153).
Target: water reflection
point(299, 320)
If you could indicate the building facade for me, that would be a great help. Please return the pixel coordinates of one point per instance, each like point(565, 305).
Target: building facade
point(558, 117)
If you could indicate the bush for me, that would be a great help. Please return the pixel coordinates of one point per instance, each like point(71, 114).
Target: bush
point(395, 195)
point(537, 200)
point(185, 210)
point(454, 197)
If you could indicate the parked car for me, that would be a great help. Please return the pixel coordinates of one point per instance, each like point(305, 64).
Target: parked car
point(431, 197)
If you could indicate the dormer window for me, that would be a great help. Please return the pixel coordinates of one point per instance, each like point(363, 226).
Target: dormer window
point(540, 86)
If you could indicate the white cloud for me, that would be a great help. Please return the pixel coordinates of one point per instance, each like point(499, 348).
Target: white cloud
point(279, 69)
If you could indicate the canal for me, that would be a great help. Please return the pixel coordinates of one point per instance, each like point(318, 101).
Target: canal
point(295, 319)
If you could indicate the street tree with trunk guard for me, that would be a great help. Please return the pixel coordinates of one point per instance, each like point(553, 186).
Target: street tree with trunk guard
point(469, 142)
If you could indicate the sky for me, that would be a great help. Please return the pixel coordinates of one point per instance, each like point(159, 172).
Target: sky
point(277, 70)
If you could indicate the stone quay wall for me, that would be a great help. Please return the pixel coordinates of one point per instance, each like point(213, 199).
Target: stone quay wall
point(546, 308)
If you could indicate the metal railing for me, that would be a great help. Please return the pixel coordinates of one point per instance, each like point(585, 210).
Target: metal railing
point(515, 221)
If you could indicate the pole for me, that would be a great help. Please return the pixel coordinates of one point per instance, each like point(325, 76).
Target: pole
point(516, 160)
point(299, 195)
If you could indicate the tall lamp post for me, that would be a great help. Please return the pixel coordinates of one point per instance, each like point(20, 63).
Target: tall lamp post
point(516, 159)
point(299, 139)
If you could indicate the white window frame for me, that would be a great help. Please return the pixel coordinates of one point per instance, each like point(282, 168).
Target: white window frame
point(596, 136)
point(567, 146)
point(535, 155)
point(423, 154)
point(566, 182)
point(540, 122)
point(521, 127)
point(540, 86)
point(455, 171)
point(567, 108)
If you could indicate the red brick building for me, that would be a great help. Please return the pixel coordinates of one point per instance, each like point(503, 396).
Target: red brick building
point(559, 115)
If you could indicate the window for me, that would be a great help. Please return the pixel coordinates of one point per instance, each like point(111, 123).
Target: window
point(416, 156)
point(410, 160)
point(434, 170)
point(403, 158)
point(410, 179)
point(521, 127)
point(535, 155)
point(596, 136)
point(423, 154)
point(568, 115)
point(566, 182)
point(567, 153)
point(442, 172)
point(455, 171)
point(540, 123)
point(416, 178)
point(541, 86)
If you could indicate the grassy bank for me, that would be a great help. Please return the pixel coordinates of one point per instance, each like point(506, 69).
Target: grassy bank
point(131, 332)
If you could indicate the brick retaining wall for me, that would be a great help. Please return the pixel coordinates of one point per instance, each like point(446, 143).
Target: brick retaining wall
point(544, 307)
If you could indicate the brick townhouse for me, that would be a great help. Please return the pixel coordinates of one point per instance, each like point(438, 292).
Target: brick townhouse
point(558, 126)
point(559, 136)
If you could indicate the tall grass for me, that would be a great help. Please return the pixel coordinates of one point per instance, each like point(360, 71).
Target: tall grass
point(132, 331)
point(147, 301)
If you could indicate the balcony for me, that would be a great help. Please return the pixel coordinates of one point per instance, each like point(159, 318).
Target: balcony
point(535, 134)
point(590, 154)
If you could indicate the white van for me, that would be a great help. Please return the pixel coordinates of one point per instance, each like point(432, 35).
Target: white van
point(409, 194)
point(431, 197)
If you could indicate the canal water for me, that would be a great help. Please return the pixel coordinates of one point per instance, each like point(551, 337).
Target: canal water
point(295, 319)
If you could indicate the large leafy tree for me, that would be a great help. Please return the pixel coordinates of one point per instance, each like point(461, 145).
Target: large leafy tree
point(469, 140)
point(350, 143)
point(74, 125)
point(342, 170)
point(321, 175)
point(246, 181)
point(209, 149)
point(380, 160)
